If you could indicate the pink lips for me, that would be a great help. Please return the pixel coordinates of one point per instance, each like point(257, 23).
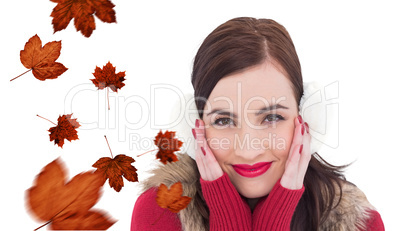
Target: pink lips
point(252, 170)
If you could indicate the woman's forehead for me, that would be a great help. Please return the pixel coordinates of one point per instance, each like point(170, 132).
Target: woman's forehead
point(258, 85)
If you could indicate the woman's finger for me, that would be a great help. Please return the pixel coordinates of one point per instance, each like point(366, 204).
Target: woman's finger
point(305, 156)
point(290, 178)
point(199, 156)
point(211, 165)
point(297, 138)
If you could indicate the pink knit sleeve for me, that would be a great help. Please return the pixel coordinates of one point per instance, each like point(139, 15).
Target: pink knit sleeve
point(276, 210)
point(148, 215)
point(228, 211)
point(374, 223)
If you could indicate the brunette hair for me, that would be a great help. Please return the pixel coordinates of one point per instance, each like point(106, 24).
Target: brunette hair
point(244, 42)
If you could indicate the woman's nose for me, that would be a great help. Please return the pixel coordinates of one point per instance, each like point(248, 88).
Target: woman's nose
point(250, 142)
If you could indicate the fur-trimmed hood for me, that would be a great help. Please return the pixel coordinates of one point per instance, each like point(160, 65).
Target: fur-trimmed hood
point(349, 215)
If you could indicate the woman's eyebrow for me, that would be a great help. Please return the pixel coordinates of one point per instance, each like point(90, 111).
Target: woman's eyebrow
point(220, 111)
point(269, 108)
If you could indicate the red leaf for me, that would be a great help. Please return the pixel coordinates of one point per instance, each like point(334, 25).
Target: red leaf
point(82, 12)
point(107, 77)
point(65, 129)
point(94, 219)
point(114, 170)
point(172, 198)
point(67, 205)
point(167, 145)
point(166, 157)
point(42, 60)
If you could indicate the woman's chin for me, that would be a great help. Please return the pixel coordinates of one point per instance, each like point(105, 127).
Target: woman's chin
point(253, 195)
point(255, 190)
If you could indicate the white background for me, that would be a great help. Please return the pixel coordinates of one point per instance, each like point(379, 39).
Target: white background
point(357, 44)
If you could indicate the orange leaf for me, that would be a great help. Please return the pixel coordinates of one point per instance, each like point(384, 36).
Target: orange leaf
point(115, 169)
point(92, 220)
point(107, 77)
point(172, 198)
point(82, 12)
point(67, 205)
point(65, 129)
point(167, 145)
point(166, 157)
point(42, 60)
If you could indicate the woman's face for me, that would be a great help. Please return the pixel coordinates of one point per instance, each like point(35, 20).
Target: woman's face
point(249, 119)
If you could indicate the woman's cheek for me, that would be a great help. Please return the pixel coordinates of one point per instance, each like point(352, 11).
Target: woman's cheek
point(218, 141)
point(279, 140)
point(287, 136)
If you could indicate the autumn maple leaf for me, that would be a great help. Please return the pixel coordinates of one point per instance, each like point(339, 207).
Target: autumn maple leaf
point(107, 77)
point(67, 205)
point(172, 198)
point(65, 129)
point(82, 11)
point(42, 60)
point(114, 170)
point(167, 145)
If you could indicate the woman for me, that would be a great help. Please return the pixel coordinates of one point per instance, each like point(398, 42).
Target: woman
point(253, 167)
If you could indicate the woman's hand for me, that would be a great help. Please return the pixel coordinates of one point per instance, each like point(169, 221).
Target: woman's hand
point(299, 157)
point(207, 165)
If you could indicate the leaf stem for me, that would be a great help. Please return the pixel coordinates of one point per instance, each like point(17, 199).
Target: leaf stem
point(108, 105)
point(21, 74)
point(55, 215)
point(46, 119)
point(146, 152)
point(43, 225)
point(51, 219)
point(109, 147)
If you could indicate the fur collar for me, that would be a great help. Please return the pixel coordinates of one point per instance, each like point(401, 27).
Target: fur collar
point(349, 215)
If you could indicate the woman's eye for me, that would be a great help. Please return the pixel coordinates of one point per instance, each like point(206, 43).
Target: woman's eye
point(223, 122)
point(274, 118)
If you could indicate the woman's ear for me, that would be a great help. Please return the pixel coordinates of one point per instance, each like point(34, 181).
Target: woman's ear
point(316, 108)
